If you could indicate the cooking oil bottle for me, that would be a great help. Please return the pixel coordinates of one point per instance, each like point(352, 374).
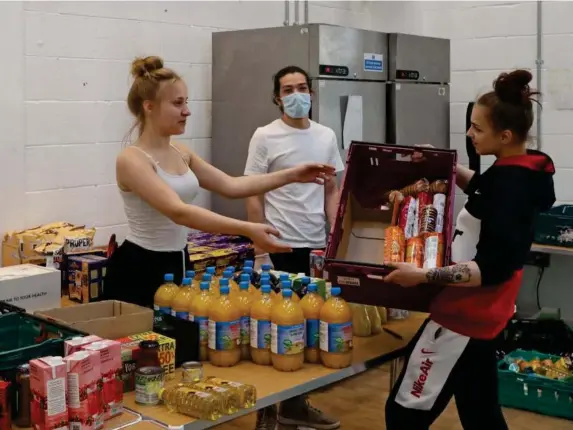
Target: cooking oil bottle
point(164, 296)
point(247, 393)
point(231, 399)
point(224, 324)
point(311, 304)
point(199, 311)
point(244, 302)
point(287, 334)
point(182, 301)
point(261, 328)
point(192, 402)
point(336, 332)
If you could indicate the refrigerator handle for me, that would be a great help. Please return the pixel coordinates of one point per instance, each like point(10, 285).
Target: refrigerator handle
point(352, 120)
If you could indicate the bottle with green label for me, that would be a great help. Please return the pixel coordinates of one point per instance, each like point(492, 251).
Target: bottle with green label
point(311, 305)
point(199, 313)
point(261, 327)
point(224, 328)
point(287, 332)
point(244, 301)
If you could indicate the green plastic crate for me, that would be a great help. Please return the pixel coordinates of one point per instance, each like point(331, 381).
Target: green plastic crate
point(533, 392)
point(24, 337)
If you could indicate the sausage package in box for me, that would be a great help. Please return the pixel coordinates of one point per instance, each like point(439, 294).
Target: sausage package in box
point(392, 208)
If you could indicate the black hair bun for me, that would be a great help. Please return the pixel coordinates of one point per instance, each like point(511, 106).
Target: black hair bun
point(514, 87)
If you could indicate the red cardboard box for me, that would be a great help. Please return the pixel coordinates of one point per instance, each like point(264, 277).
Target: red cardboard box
point(354, 254)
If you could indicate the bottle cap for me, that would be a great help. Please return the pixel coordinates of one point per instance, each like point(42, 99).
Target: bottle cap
point(287, 292)
point(248, 263)
point(335, 291)
point(305, 280)
point(245, 277)
point(244, 285)
point(231, 268)
point(190, 274)
point(223, 282)
point(168, 277)
point(224, 290)
point(266, 289)
point(283, 276)
point(248, 270)
point(186, 281)
point(206, 278)
point(311, 288)
point(285, 283)
point(210, 270)
point(266, 267)
point(204, 285)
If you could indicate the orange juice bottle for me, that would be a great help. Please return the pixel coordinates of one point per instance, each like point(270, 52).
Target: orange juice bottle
point(194, 282)
point(261, 327)
point(287, 334)
point(224, 325)
point(249, 272)
point(211, 271)
point(286, 284)
point(336, 332)
point(182, 301)
point(199, 312)
point(233, 286)
point(311, 304)
point(164, 296)
point(244, 301)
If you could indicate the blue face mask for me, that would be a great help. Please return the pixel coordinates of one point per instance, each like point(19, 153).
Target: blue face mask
point(296, 105)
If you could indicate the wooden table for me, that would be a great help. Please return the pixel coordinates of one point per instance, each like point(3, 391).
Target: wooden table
point(274, 386)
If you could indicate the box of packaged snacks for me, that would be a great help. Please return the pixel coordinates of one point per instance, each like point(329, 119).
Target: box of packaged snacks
point(392, 208)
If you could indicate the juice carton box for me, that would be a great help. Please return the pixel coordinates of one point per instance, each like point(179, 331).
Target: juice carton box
point(166, 351)
point(84, 400)
point(48, 383)
point(76, 343)
point(112, 387)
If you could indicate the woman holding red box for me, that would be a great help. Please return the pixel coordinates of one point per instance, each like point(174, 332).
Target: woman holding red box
point(453, 354)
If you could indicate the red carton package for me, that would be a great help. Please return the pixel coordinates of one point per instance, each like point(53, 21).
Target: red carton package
point(354, 257)
point(112, 387)
point(5, 406)
point(84, 404)
point(76, 343)
point(48, 383)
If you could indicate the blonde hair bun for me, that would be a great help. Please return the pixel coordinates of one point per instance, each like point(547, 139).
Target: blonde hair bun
point(144, 66)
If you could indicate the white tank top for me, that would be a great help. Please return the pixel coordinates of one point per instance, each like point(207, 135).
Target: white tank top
point(149, 228)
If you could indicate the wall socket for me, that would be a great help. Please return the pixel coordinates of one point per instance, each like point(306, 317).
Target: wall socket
point(538, 259)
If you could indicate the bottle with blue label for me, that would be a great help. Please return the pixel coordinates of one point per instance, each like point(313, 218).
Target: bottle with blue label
point(182, 301)
point(163, 298)
point(311, 305)
point(287, 333)
point(336, 332)
point(199, 313)
point(224, 329)
point(244, 302)
point(261, 327)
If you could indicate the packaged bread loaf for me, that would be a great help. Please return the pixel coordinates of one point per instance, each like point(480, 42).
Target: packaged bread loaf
point(361, 325)
point(375, 321)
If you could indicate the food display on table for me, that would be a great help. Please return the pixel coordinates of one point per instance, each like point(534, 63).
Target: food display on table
point(553, 368)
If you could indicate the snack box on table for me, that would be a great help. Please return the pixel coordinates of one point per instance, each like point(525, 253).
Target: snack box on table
point(355, 253)
point(220, 255)
point(86, 275)
point(130, 353)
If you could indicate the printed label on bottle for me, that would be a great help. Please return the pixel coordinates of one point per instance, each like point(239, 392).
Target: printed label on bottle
point(182, 315)
point(190, 317)
point(166, 310)
point(287, 339)
point(245, 330)
point(260, 334)
point(203, 329)
point(312, 333)
point(335, 337)
point(224, 336)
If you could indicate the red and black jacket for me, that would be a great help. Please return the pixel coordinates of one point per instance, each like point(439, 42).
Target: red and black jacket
point(496, 229)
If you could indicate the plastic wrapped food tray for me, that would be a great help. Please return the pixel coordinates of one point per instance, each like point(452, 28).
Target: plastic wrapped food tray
point(354, 254)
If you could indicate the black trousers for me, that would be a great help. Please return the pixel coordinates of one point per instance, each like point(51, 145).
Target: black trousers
point(440, 365)
point(297, 261)
point(134, 273)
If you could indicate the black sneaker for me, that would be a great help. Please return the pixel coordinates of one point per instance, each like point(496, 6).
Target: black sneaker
point(303, 414)
point(266, 418)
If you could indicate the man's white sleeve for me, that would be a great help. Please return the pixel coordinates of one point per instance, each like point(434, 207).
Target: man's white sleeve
point(335, 158)
point(257, 160)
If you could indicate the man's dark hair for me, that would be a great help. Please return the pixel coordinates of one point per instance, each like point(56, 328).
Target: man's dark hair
point(282, 73)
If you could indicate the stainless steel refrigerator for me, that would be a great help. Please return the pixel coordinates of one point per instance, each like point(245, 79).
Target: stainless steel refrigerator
point(354, 94)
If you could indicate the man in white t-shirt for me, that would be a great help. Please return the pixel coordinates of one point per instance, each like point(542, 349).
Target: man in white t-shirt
point(298, 211)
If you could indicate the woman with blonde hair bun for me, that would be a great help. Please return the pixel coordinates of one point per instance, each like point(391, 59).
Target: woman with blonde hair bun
point(158, 180)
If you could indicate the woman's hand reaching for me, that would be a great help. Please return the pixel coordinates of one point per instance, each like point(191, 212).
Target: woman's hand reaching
point(262, 237)
point(312, 173)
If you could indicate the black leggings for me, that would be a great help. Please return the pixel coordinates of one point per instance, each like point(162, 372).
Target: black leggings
point(134, 273)
point(440, 365)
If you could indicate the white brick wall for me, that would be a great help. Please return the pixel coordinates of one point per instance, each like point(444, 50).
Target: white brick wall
point(63, 110)
point(492, 36)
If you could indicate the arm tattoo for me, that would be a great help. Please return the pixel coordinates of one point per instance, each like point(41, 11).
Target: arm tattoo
point(449, 275)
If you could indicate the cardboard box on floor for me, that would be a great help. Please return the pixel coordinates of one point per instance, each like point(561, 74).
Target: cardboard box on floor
point(109, 319)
